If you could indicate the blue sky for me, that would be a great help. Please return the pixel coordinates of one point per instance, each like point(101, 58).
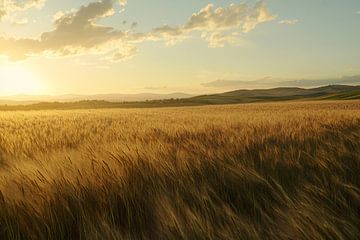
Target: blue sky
point(308, 39)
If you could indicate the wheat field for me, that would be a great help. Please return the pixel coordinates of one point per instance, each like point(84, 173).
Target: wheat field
point(255, 171)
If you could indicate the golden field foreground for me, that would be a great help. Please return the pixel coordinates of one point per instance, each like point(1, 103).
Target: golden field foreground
point(256, 171)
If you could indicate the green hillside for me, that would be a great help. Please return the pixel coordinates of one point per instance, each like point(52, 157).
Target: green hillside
point(331, 92)
point(279, 94)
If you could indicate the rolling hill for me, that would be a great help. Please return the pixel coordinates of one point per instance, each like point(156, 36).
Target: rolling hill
point(331, 92)
point(280, 94)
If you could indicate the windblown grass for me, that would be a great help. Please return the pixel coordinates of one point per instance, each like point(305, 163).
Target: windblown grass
point(258, 171)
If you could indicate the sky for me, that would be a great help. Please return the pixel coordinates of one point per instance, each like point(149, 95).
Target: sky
point(161, 46)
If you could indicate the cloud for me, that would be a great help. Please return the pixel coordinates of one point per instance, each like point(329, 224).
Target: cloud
point(219, 39)
point(358, 12)
point(78, 32)
point(20, 21)
point(227, 84)
point(269, 82)
point(134, 25)
point(75, 33)
point(289, 21)
point(122, 2)
point(125, 53)
point(9, 7)
point(218, 26)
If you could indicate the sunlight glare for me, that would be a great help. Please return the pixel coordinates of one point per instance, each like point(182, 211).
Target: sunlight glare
point(15, 79)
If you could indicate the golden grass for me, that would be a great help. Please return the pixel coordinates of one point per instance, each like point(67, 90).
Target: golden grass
point(257, 171)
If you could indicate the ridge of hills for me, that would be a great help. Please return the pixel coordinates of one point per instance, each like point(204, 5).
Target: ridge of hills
point(330, 92)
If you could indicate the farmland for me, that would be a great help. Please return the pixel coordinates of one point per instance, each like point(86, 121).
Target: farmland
point(286, 170)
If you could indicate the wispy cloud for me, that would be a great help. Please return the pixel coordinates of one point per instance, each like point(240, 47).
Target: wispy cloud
point(218, 26)
point(269, 82)
point(9, 7)
point(20, 21)
point(358, 12)
point(78, 32)
point(289, 21)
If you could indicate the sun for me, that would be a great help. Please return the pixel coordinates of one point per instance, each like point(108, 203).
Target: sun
point(15, 79)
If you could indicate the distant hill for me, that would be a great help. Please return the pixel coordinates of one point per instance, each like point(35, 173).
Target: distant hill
point(331, 92)
point(280, 94)
point(32, 99)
